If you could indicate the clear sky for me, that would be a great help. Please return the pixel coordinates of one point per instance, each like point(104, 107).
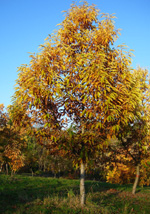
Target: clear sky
point(24, 24)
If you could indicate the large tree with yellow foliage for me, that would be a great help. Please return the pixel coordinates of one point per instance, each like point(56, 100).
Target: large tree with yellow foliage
point(79, 77)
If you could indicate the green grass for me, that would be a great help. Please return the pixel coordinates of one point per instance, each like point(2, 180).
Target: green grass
point(38, 195)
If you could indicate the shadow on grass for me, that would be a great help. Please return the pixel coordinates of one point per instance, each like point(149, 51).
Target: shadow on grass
point(94, 186)
point(16, 191)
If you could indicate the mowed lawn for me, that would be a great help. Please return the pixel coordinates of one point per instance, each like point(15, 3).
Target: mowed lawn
point(40, 195)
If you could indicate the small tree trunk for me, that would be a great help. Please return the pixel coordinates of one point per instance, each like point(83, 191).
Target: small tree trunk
point(1, 166)
point(6, 169)
point(32, 172)
point(136, 179)
point(12, 173)
point(54, 174)
point(82, 186)
point(44, 166)
point(59, 174)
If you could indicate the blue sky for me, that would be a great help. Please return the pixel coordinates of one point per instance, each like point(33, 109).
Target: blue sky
point(24, 24)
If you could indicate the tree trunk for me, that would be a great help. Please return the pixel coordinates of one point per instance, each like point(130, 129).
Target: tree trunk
point(44, 166)
point(54, 174)
point(12, 173)
point(82, 180)
point(82, 186)
point(6, 169)
point(1, 166)
point(136, 179)
point(32, 172)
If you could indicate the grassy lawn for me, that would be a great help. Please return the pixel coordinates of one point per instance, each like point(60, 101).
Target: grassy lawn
point(39, 195)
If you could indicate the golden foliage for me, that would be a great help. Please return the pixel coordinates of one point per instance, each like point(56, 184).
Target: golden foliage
point(122, 173)
point(79, 77)
point(15, 157)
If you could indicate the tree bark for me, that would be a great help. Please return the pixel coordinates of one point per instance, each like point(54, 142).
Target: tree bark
point(82, 186)
point(82, 180)
point(6, 169)
point(136, 179)
point(32, 172)
point(12, 173)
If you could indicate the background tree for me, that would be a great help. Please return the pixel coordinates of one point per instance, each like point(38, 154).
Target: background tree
point(79, 77)
point(134, 137)
point(3, 142)
point(11, 143)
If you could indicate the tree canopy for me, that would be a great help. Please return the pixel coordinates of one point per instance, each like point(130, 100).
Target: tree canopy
point(79, 76)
